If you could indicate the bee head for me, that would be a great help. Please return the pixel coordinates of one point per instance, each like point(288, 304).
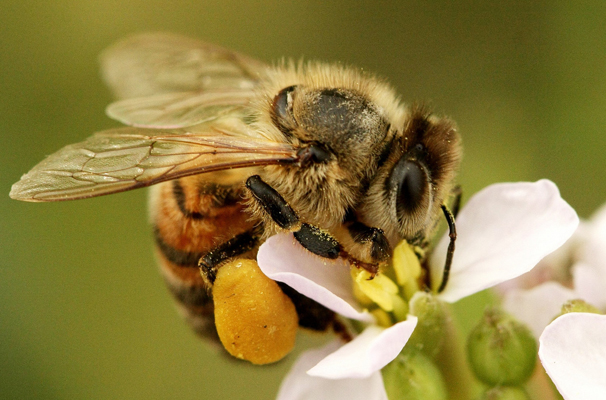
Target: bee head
point(340, 133)
point(338, 124)
point(416, 177)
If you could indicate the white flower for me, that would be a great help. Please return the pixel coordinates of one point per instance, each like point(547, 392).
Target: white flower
point(572, 347)
point(503, 231)
point(573, 353)
point(298, 385)
point(351, 370)
point(578, 271)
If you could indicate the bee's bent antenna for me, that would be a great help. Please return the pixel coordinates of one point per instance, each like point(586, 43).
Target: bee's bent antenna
point(452, 234)
point(457, 192)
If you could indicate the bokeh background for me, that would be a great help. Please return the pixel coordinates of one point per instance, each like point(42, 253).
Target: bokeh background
point(83, 312)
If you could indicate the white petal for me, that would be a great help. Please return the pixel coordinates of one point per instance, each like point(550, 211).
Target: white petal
point(593, 249)
point(298, 385)
point(590, 284)
point(367, 353)
point(503, 231)
point(326, 281)
point(553, 267)
point(573, 352)
point(538, 306)
point(593, 252)
point(589, 274)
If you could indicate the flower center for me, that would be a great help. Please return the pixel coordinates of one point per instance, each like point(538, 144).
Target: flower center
point(386, 294)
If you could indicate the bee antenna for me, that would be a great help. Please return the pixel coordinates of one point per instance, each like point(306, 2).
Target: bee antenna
point(452, 234)
point(457, 192)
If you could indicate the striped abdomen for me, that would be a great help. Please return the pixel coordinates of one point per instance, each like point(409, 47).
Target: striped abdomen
point(190, 217)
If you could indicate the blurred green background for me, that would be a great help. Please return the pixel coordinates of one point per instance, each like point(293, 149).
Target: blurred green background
point(83, 312)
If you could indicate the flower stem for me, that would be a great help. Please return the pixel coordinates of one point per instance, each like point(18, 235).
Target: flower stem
point(452, 361)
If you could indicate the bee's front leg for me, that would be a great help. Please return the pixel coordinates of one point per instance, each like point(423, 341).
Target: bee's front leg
point(311, 237)
point(375, 246)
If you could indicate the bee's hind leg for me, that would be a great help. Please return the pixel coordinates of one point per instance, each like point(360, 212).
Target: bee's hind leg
point(311, 237)
point(254, 319)
point(239, 244)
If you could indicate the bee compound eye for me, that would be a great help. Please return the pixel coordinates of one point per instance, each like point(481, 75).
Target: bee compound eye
point(313, 154)
point(410, 178)
point(282, 109)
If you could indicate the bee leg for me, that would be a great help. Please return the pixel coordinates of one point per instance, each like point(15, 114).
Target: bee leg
point(239, 244)
point(312, 315)
point(452, 233)
point(318, 241)
point(379, 248)
point(255, 319)
point(273, 203)
point(311, 237)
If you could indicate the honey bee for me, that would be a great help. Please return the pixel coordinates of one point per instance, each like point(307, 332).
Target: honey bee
point(238, 151)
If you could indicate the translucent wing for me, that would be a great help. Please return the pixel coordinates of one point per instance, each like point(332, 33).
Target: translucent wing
point(179, 110)
point(156, 63)
point(128, 158)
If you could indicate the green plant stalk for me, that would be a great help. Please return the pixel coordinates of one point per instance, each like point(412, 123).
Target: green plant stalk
point(452, 362)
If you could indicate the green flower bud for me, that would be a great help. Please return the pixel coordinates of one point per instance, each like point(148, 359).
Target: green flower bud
point(428, 335)
point(505, 393)
point(578, 306)
point(413, 376)
point(501, 350)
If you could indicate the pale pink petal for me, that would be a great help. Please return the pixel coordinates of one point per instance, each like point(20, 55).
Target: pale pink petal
point(553, 267)
point(538, 306)
point(298, 385)
point(573, 352)
point(593, 252)
point(503, 231)
point(326, 281)
point(589, 273)
point(590, 284)
point(367, 353)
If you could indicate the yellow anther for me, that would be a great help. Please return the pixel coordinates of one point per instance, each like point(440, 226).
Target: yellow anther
point(379, 289)
point(383, 318)
point(400, 308)
point(362, 298)
point(406, 265)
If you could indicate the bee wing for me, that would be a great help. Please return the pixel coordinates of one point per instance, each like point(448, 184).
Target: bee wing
point(156, 63)
point(128, 158)
point(179, 110)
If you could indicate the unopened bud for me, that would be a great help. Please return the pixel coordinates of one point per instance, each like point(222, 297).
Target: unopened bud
point(501, 350)
point(413, 376)
point(578, 305)
point(505, 393)
point(428, 335)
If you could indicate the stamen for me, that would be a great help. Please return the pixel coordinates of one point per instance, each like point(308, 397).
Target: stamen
point(362, 298)
point(400, 308)
point(380, 289)
point(407, 268)
point(382, 317)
